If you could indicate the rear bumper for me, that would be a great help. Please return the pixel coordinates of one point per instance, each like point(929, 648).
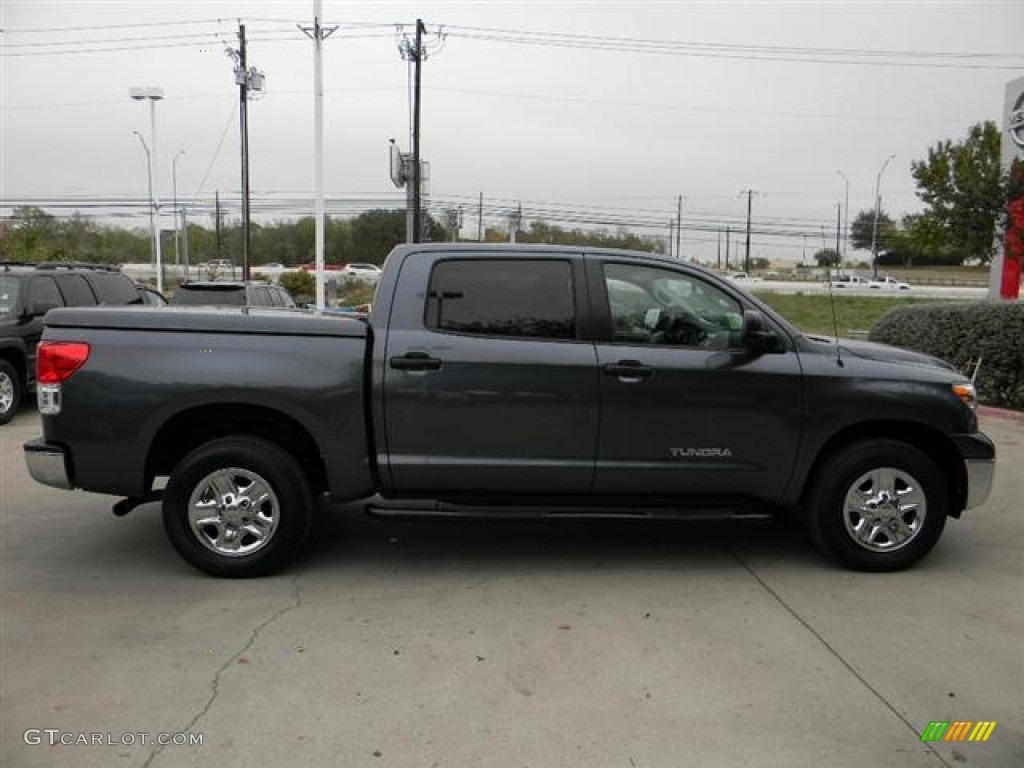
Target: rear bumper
point(979, 455)
point(48, 463)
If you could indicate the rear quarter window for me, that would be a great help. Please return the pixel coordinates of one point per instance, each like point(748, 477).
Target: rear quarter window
point(112, 288)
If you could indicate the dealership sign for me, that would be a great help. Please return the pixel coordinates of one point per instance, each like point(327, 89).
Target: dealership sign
point(1004, 281)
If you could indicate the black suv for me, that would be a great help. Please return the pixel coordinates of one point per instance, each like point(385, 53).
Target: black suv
point(232, 293)
point(29, 291)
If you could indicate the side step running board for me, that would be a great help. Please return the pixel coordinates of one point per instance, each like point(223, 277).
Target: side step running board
point(415, 508)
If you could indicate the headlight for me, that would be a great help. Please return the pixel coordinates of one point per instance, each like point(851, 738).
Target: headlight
point(967, 394)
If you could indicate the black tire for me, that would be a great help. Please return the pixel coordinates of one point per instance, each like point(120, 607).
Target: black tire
point(891, 535)
point(11, 390)
point(234, 538)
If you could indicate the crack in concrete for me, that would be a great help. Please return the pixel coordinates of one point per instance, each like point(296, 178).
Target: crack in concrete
point(838, 656)
point(215, 682)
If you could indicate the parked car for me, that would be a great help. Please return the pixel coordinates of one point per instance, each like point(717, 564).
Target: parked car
point(507, 379)
point(362, 271)
point(886, 283)
point(27, 292)
point(232, 293)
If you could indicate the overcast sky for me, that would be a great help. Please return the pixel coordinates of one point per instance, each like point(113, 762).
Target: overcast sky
point(564, 125)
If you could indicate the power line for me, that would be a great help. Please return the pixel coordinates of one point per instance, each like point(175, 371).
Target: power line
point(732, 51)
point(47, 30)
point(678, 44)
point(673, 107)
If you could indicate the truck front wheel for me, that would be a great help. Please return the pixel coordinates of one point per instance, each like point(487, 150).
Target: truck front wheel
point(877, 505)
point(238, 507)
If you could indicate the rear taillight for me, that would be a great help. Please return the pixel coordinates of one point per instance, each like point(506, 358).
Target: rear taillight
point(57, 360)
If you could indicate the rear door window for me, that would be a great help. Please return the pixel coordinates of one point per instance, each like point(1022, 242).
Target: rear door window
point(76, 290)
point(525, 298)
point(42, 290)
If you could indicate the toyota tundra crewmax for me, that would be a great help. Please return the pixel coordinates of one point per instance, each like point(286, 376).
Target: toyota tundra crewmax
point(506, 380)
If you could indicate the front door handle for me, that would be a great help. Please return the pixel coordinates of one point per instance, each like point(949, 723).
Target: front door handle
point(415, 361)
point(629, 369)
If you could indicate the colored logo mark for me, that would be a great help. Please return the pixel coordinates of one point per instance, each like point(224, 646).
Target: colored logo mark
point(958, 730)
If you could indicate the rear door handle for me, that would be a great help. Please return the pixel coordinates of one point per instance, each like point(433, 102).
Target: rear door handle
point(629, 369)
point(415, 361)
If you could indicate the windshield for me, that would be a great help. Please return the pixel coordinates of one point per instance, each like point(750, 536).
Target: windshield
point(10, 287)
point(233, 295)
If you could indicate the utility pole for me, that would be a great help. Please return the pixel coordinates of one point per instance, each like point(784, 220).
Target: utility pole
point(728, 238)
point(839, 229)
point(174, 188)
point(846, 219)
point(746, 261)
point(243, 112)
point(417, 235)
point(184, 242)
point(679, 227)
point(318, 35)
point(480, 220)
point(247, 79)
point(719, 248)
point(416, 53)
point(216, 223)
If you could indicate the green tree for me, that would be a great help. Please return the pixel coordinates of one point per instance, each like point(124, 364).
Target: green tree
point(862, 230)
point(31, 234)
point(827, 257)
point(962, 184)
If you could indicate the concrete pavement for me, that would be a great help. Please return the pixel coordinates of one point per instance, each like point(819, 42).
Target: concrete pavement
point(504, 644)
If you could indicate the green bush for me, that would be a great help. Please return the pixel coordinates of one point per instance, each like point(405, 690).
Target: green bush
point(300, 285)
point(963, 334)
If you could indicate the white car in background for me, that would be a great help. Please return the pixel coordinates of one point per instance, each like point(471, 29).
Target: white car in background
point(850, 281)
point(886, 283)
point(362, 271)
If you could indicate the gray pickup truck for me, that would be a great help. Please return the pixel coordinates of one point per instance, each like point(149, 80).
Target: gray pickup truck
point(506, 380)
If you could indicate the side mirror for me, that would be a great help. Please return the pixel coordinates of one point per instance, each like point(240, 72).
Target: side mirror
point(756, 335)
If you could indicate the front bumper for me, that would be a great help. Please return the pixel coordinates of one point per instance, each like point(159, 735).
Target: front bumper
point(979, 456)
point(48, 463)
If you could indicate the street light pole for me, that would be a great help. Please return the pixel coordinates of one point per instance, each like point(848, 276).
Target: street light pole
point(149, 182)
point(846, 218)
point(153, 95)
point(174, 191)
point(878, 207)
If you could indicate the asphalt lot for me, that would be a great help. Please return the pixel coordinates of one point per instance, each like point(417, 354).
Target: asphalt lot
point(504, 644)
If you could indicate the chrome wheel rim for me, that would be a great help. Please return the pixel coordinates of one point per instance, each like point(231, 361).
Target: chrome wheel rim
point(884, 509)
point(6, 392)
point(233, 512)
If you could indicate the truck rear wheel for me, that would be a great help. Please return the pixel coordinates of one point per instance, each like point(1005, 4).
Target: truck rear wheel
point(10, 391)
point(877, 505)
point(238, 507)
